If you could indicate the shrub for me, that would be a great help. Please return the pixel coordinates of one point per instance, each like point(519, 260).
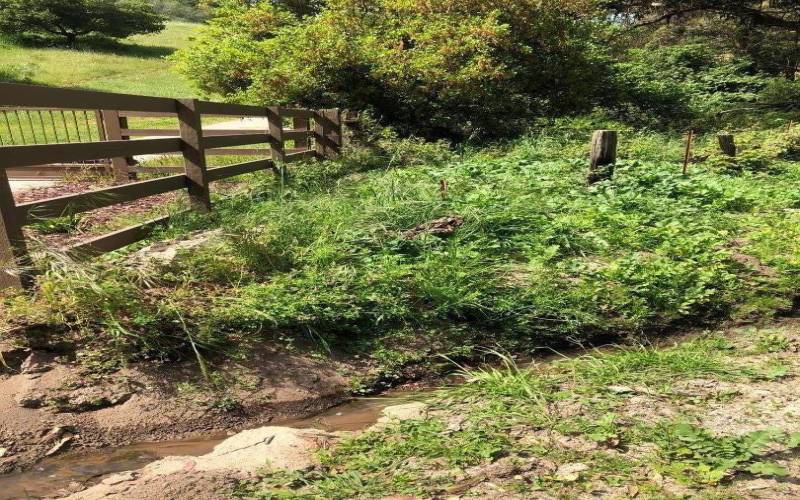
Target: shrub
point(681, 83)
point(450, 69)
point(190, 10)
point(746, 161)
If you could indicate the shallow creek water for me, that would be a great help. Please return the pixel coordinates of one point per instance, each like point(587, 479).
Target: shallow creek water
point(57, 473)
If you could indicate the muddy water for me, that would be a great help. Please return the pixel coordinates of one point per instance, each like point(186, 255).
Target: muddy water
point(55, 474)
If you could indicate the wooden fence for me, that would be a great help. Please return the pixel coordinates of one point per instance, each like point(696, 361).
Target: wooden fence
point(315, 133)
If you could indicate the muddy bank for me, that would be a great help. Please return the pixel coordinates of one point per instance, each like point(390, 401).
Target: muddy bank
point(50, 406)
point(206, 466)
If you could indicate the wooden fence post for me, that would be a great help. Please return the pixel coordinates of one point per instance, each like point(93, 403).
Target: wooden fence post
point(727, 143)
point(14, 257)
point(328, 132)
point(113, 125)
point(194, 154)
point(302, 125)
point(276, 142)
point(603, 155)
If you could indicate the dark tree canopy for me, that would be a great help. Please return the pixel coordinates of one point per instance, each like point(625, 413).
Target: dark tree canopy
point(773, 13)
point(67, 20)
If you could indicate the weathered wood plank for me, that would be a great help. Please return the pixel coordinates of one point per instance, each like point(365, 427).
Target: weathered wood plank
point(227, 109)
point(296, 112)
point(14, 94)
point(302, 155)
point(43, 154)
point(727, 143)
point(228, 141)
point(328, 133)
point(113, 129)
point(98, 198)
point(194, 154)
point(216, 174)
point(116, 240)
point(603, 155)
point(277, 147)
point(13, 249)
point(160, 132)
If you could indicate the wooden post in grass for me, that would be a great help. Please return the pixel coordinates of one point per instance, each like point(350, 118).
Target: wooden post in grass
point(727, 143)
point(688, 155)
point(603, 155)
point(302, 125)
point(14, 257)
point(276, 142)
point(194, 154)
point(113, 125)
point(328, 133)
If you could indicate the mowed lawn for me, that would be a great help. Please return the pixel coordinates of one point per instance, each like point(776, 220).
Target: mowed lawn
point(138, 66)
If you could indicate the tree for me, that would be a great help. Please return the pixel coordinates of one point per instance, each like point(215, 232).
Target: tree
point(68, 20)
point(450, 68)
point(772, 13)
point(767, 31)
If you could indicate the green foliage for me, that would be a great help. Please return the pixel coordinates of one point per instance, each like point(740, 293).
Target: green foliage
point(189, 10)
point(772, 342)
point(746, 161)
point(681, 83)
point(13, 73)
point(693, 454)
point(67, 20)
point(444, 69)
point(327, 252)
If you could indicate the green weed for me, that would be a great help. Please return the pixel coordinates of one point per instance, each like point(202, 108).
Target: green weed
point(691, 453)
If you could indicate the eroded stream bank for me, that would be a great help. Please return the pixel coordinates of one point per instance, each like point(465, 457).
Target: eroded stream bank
point(74, 471)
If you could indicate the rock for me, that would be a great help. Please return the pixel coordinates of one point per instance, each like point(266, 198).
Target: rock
point(399, 413)
point(240, 456)
point(122, 477)
point(570, 472)
point(444, 226)
point(11, 357)
point(55, 433)
point(168, 253)
point(408, 411)
point(3, 452)
point(91, 399)
point(38, 362)
point(32, 401)
point(620, 389)
point(278, 448)
point(59, 446)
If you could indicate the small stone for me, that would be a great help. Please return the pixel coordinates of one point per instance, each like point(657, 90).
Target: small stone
point(37, 362)
point(120, 478)
point(570, 472)
point(61, 445)
point(32, 401)
point(621, 389)
point(409, 411)
point(55, 433)
point(3, 452)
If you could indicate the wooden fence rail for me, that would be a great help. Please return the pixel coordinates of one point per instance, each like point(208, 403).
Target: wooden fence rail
point(315, 133)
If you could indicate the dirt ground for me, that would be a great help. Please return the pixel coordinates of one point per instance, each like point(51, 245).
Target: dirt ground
point(49, 405)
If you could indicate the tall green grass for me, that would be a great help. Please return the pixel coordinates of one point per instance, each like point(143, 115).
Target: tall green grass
point(323, 255)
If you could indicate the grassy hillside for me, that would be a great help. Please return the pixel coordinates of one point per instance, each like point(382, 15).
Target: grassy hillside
point(518, 251)
point(136, 66)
